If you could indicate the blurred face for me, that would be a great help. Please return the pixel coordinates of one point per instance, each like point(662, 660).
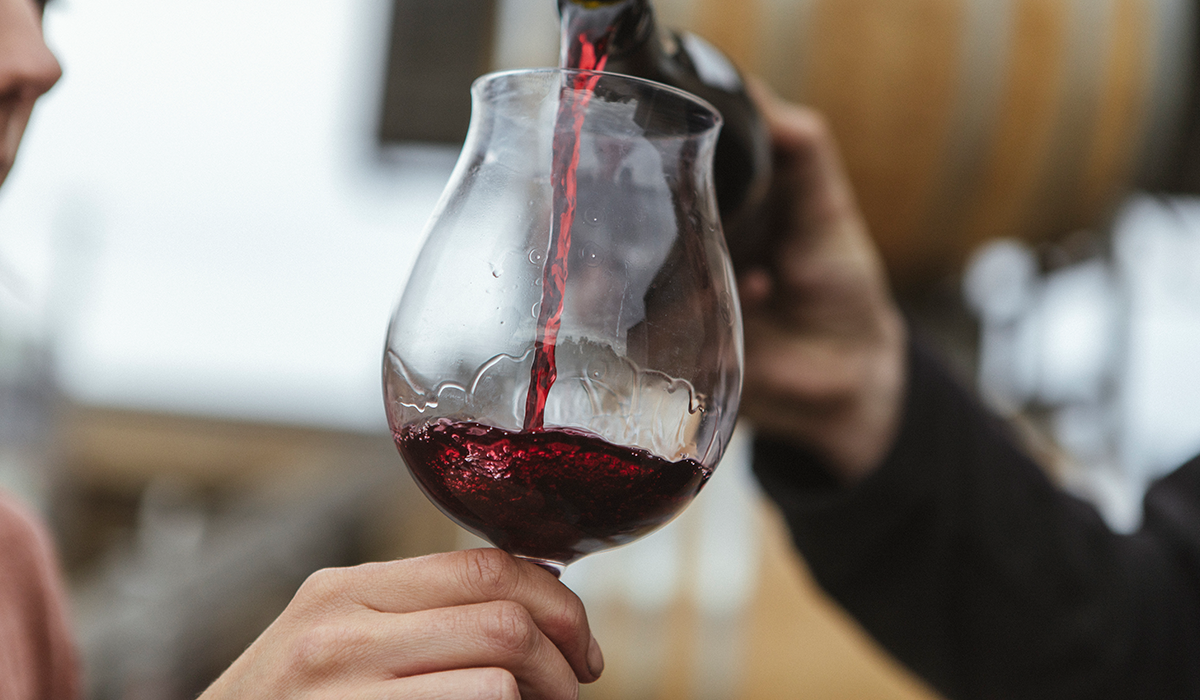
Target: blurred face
point(27, 69)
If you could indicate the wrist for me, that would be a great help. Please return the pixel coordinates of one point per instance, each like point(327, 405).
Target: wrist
point(851, 422)
point(858, 444)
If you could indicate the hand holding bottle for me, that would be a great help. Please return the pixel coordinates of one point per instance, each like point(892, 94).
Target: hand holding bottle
point(825, 341)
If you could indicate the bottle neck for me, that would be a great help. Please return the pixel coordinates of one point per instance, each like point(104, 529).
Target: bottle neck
point(611, 28)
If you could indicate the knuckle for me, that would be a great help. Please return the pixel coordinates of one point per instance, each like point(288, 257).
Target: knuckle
point(322, 586)
point(816, 123)
point(490, 572)
point(510, 629)
point(806, 120)
point(567, 620)
point(321, 651)
point(803, 120)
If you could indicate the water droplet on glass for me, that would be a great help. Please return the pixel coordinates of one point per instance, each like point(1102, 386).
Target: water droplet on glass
point(592, 216)
point(496, 272)
point(537, 307)
point(726, 307)
point(591, 254)
point(536, 257)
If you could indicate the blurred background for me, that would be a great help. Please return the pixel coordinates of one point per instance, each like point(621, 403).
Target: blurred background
point(216, 208)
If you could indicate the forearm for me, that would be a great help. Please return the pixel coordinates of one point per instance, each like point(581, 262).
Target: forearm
point(961, 557)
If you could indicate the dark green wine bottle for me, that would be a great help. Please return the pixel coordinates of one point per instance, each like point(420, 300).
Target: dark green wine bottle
point(626, 32)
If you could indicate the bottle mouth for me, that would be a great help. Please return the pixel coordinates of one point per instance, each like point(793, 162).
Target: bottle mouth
point(620, 25)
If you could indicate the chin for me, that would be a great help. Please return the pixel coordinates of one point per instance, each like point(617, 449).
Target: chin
point(10, 138)
point(8, 153)
point(7, 156)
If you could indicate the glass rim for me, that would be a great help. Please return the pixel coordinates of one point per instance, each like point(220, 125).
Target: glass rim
point(718, 118)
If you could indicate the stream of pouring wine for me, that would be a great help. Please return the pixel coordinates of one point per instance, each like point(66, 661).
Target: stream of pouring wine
point(571, 110)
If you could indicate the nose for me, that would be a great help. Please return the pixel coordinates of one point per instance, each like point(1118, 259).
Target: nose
point(27, 67)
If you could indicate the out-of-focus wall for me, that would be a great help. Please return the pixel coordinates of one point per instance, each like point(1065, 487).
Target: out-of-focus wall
point(201, 215)
point(966, 120)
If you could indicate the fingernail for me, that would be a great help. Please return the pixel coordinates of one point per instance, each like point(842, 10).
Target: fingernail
point(595, 658)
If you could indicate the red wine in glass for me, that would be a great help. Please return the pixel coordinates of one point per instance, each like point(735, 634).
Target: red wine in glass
point(547, 495)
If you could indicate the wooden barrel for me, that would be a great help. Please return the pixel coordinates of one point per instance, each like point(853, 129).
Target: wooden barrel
point(966, 120)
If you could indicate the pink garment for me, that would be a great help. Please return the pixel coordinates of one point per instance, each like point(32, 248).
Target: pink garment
point(37, 654)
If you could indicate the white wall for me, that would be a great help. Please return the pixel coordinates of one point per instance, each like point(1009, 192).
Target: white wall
point(199, 215)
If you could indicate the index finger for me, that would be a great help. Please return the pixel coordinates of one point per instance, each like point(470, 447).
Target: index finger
point(471, 577)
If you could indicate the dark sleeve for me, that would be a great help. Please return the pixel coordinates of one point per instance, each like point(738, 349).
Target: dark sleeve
point(960, 557)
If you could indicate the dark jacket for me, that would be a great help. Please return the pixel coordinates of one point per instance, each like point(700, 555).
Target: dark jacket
point(962, 558)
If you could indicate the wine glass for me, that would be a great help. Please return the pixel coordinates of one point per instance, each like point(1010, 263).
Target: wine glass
point(563, 370)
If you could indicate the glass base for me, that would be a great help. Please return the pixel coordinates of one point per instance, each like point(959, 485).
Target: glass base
point(553, 567)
